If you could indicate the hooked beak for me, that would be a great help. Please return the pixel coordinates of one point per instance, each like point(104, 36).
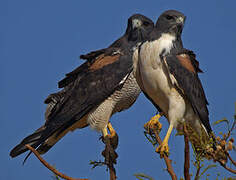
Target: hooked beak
point(136, 23)
point(181, 20)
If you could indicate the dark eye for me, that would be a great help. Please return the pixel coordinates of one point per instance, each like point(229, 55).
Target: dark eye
point(145, 23)
point(168, 17)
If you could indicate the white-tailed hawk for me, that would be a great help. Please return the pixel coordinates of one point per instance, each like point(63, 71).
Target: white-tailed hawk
point(168, 75)
point(94, 91)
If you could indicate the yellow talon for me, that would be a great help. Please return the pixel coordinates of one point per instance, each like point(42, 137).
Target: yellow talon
point(163, 148)
point(153, 123)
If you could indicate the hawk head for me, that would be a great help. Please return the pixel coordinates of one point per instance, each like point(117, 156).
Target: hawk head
point(138, 28)
point(171, 21)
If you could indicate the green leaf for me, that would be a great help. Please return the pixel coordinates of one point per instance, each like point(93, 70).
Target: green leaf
point(140, 176)
point(221, 120)
point(207, 168)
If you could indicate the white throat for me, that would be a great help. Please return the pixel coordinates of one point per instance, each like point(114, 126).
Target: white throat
point(165, 43)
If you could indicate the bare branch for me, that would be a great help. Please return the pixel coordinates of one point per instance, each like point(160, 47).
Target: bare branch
point(167, 160)
point(231, 129)
point(230, 158)
point(112, 172)
point(111, 160)
point(186, 154)
point(198, 171)
point(227, 168)
point(47, 165)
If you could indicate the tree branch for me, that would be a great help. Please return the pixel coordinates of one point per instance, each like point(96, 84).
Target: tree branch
point(47, 165)
point(112, 171)
point(186, 154)
point(230, 158)
point(227, 168)
point(109, 146)
point(231, 129)
point(167, 160)
point(198, 171)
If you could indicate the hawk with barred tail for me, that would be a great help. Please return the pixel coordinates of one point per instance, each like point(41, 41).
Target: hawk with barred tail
point(168, 75)
point(94, 91)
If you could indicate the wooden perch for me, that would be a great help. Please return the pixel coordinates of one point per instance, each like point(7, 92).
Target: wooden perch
point(47, 165)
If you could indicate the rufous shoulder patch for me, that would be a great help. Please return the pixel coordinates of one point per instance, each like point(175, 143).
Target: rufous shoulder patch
point(103, 60)
point(185, 61)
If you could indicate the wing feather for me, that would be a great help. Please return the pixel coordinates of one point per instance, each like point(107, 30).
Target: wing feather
point(90, 90)
point(185, 70)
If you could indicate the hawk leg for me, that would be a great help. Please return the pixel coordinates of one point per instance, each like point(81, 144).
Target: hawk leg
point(111, 142)
point(163, 148)
point(153, 124)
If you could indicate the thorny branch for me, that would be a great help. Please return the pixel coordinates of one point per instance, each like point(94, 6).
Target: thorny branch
point(186, 154)
point(47, 165)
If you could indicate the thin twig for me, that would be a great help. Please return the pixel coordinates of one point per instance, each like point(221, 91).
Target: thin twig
point(198, 172)
point(47, 165)
point(227, 168)
point(186, 155)
point(230, 158)
point(231, 129)
point(167, 160)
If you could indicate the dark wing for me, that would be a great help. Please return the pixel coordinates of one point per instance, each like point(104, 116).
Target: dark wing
point(102, 79)
point(92, 87)
point(184, 68)
point(92, 58)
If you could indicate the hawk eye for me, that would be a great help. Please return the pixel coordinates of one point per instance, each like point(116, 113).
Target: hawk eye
point(168, 17)
point(145, 23)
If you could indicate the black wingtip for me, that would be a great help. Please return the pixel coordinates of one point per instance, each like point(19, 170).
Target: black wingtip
point(16, 151)
point(34, 140)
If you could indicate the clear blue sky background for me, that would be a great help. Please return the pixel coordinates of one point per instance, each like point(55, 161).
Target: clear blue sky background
point(40, 41)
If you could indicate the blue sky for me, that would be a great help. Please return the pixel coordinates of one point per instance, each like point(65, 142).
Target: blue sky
point(41, 41)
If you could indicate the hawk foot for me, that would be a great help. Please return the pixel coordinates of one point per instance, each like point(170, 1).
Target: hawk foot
point(109, 153)
point(153, 124)
point(163, 149)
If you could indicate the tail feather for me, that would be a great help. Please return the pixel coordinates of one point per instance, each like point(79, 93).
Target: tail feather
point(33, 140)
